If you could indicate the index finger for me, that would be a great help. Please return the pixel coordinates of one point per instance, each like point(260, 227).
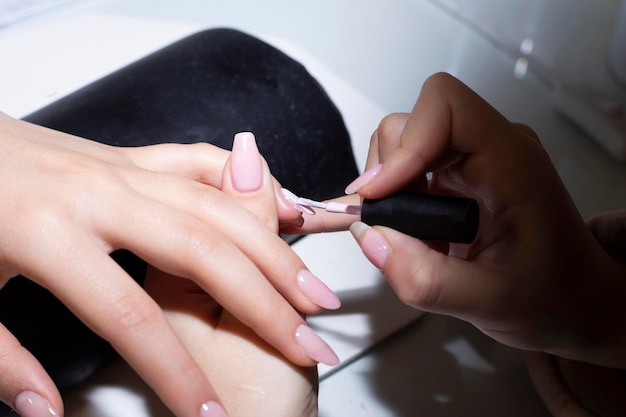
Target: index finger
point(447, 116)
point(201, 162)
point(322, 221)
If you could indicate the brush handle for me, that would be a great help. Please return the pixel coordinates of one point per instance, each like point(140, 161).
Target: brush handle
point(425, 216)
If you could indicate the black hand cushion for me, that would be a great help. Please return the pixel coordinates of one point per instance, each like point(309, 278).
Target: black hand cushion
point(206, 87)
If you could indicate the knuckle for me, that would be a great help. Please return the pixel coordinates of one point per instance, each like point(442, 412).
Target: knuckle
point(198, 248)
point(267, 310)
point(132, 311)
point(422, 289)
point(391, 126)
point(200, 148)
point(35, 233)
point(210, 200)
point(527, 130)
point(439, 79)
point(201, 244)
point(43, 224)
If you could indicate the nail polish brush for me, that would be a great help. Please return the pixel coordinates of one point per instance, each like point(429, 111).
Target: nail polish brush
point(423, 216)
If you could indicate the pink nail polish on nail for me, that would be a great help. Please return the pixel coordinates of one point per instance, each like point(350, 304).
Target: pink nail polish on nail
point(374, 246)
point(314, 347)
point(292, 199)
point(246, 163)
point(212, 409)
point(317, 291)
point(31, 404)
point(365, 178)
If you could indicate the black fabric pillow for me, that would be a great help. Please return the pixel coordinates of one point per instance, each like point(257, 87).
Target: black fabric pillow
point(206, 87)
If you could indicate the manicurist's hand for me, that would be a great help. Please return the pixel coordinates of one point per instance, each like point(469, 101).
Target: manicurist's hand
point(535, 277)
point(69, 202)
point(250, 376)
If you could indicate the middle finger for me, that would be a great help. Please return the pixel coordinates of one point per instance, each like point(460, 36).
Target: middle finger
point(220, 239)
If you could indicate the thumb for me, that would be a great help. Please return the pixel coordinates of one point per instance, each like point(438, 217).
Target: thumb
point(422, 276)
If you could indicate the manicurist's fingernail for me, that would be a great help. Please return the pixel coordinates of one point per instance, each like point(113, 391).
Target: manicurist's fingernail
point(314, 347)
point(364, 179)
point(31, 404)
point(374, 246)
point(246, 163)
point(212, 409)
point(317, 291)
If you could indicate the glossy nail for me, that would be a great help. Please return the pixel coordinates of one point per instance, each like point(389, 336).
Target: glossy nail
point(374, 246)
point(31, 404)
point(292, 199)
point(314, 347)
point(365, 178)
point(317, 291)
point(246, 163)
point(212, 409)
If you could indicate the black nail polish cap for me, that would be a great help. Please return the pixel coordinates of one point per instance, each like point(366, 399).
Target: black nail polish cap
point(425, 216)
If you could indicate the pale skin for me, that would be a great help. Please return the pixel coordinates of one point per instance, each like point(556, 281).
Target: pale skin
point(250, 376)
point(164, 203)
point(537, 277)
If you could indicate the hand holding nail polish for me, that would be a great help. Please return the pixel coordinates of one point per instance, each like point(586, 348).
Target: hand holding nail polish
point(423, 216)
point(536, 277)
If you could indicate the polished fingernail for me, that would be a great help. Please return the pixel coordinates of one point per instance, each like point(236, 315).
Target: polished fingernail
point(246, 163)
point(317, 291)
point(314, 347)
point(31, 404)
point(292, 199)
point(374, 246)
point(212, 409)
point(364, 179)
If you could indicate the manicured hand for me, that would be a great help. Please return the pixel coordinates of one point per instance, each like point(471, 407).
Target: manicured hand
point(250, 376)
point(69, 202)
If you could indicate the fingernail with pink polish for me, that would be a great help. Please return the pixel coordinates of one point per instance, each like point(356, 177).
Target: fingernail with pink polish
point(212, 409)
point(374, 246)
point(314, 347)
point(292, 199)
point(317, 291)
point(31, 404)
point(246, 163)
point(364, 179)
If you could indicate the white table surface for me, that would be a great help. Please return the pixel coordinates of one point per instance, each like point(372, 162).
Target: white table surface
point(372, 60)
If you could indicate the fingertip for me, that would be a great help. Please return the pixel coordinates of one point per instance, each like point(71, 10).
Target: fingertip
point(364, 179)
point(374, 246)
point(24, 384)
point(357, 229)
point(312, 345)
point(246, 163)
point(288, 210)
point(212, 409)
point(317, 291)
point(31, 404)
